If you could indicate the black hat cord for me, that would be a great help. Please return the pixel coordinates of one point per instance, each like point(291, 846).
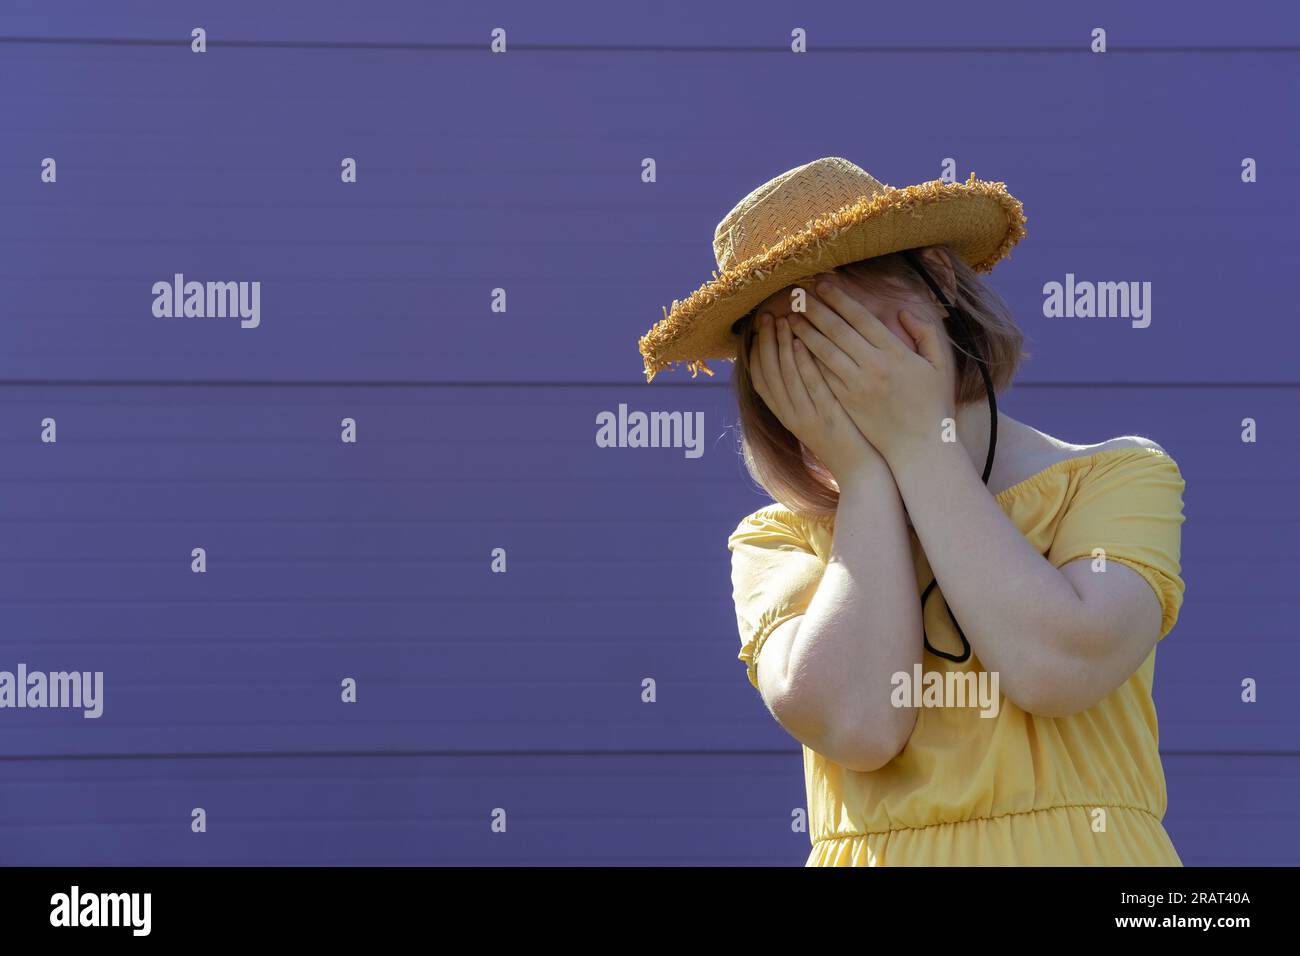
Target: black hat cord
point(958, 326)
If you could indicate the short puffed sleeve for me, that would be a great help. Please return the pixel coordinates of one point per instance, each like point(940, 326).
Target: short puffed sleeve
point(774, 575)
point(1128, 508)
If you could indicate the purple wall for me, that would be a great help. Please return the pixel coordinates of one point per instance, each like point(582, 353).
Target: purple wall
point(476, 429)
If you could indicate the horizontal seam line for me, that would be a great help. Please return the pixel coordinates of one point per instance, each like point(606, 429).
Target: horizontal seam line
point(473, 46)
point(557, 383)
point(784, 753)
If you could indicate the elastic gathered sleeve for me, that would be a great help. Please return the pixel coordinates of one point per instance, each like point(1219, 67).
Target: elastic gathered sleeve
point(1131, 507)
point(774, 575)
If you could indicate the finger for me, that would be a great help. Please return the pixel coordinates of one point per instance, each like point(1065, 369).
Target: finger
point(925, 332)
point(833, 325)
point(800, 401)
point(768, 361)
point(817, 377)
point(860, 318)
point(837, 385)
point(831, 355)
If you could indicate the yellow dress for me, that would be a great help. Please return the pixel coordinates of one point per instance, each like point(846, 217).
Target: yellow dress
point(1015, 789)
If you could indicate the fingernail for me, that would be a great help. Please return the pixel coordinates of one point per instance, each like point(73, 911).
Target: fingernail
point(765, 318)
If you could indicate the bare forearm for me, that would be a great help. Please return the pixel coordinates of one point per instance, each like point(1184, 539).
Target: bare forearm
point(863, 624)
point(1018, 611)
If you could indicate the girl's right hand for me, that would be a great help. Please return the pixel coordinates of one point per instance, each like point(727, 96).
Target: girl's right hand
point(788, 380)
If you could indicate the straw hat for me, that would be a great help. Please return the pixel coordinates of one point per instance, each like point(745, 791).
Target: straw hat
point(812, 219)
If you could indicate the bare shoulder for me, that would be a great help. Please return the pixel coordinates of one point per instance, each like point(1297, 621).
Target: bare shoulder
point(1051, 447)
point(1030, 451)
point(1126, 441)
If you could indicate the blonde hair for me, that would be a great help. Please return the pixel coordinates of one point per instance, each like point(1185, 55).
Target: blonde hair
point(779, 462)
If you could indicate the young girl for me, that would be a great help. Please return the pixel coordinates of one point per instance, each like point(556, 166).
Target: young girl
point(954, 613)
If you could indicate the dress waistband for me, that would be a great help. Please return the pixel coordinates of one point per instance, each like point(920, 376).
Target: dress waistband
point(1099, 804)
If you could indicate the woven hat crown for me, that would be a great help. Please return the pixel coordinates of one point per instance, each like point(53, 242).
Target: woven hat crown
point(786, 204)
point(818, 217)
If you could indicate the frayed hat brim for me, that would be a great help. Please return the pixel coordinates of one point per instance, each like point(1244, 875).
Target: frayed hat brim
point(979, 220)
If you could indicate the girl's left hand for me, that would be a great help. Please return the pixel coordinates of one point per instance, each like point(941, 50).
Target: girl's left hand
point(898, 398)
